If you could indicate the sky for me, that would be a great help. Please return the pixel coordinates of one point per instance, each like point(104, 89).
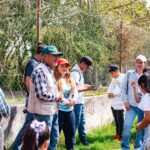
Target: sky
point(148, 1)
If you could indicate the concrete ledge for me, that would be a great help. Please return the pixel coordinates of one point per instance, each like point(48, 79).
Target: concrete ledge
point(97, 111)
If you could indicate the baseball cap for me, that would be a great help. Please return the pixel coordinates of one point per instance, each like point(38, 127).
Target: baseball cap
point(62, 61)
point(88, 60)
point(51, 49)
point(113, 67)
point(142, 58)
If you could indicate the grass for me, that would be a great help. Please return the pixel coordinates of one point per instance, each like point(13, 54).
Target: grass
point(100, 139)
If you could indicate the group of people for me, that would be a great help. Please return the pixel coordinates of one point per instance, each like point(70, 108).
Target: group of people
point(54, 101)
point(130, 98)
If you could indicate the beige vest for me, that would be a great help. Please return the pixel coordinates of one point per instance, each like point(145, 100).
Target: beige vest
point(38, 106)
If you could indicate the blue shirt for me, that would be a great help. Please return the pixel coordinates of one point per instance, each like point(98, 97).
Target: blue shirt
point(127, 93)
point(66, 94)
point(31, 65)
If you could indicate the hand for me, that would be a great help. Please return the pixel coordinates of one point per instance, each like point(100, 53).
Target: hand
point(90, 87)
point(127, 106)
point(138, 127)
point(133, 83)
point(71, 103)
point(110, 95)
point(60, 98)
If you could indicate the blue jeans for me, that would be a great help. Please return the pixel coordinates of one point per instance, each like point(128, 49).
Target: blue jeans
point(80, 122)
point(52, 122)
point(29, 118)
point(67, 124)
point(129, 119)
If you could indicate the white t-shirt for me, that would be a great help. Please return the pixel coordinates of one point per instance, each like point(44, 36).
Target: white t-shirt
point(78, 77)
point(115, 88)
point(145, 100)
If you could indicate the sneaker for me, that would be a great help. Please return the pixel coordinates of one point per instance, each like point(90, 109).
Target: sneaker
point(119, 138)
point(115, 136)
point(25, 111)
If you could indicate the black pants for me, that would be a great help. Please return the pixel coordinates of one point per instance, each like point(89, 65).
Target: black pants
point(67, 124)
point(119, 120)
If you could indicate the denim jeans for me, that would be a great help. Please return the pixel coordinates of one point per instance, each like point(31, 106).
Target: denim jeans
point(67, 124)
point(128, 122)
point(29, 118)
point(52, 122)
point(80, 122)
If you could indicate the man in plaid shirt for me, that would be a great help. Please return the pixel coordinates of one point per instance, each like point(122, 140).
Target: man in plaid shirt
point(43, 96)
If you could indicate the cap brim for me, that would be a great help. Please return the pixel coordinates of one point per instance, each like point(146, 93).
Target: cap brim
point(57, 53)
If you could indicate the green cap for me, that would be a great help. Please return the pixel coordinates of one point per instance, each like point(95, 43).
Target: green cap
point(51, 49)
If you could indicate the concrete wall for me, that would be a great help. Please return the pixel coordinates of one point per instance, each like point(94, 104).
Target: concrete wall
point(97, 111)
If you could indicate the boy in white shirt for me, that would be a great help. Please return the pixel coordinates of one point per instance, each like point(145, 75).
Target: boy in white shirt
point(116, 103)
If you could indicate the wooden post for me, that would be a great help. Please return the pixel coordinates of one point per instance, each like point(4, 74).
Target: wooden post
point(38, 19)
point(120, 45)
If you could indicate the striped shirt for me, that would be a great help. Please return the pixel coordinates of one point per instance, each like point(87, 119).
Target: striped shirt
point(4, 108)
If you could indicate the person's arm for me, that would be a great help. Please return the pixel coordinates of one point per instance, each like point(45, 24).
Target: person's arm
point(40, 83)
point(145, 122)
point(136, 96)
point(81, 88)
point(27, 75)
point(74, 95)
point(85, 87)
point(110, 90)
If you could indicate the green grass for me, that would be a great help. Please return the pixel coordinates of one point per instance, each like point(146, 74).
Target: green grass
point(100, 139)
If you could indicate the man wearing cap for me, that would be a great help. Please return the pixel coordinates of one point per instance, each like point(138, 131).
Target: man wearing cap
point(114, 91)
point(31, 65)
point(132, 110)
point(77, 74)
point(43, 96)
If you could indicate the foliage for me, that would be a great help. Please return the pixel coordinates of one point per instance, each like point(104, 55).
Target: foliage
point(77, 27)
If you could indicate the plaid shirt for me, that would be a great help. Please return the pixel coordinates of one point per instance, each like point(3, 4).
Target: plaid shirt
point(39, 81)
point(4, 108)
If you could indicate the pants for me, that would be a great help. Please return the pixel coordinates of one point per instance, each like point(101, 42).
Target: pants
point(52, 122)
point(29, 118)
point(129, 118)
point(119, 120)
point(80, 122)
point(67, 124)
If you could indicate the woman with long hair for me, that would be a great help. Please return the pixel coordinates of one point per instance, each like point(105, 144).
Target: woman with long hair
point(68, 90)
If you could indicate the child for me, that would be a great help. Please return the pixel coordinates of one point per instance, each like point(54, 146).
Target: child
point(36, 136)
point(144, 83)
point(116, 103)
